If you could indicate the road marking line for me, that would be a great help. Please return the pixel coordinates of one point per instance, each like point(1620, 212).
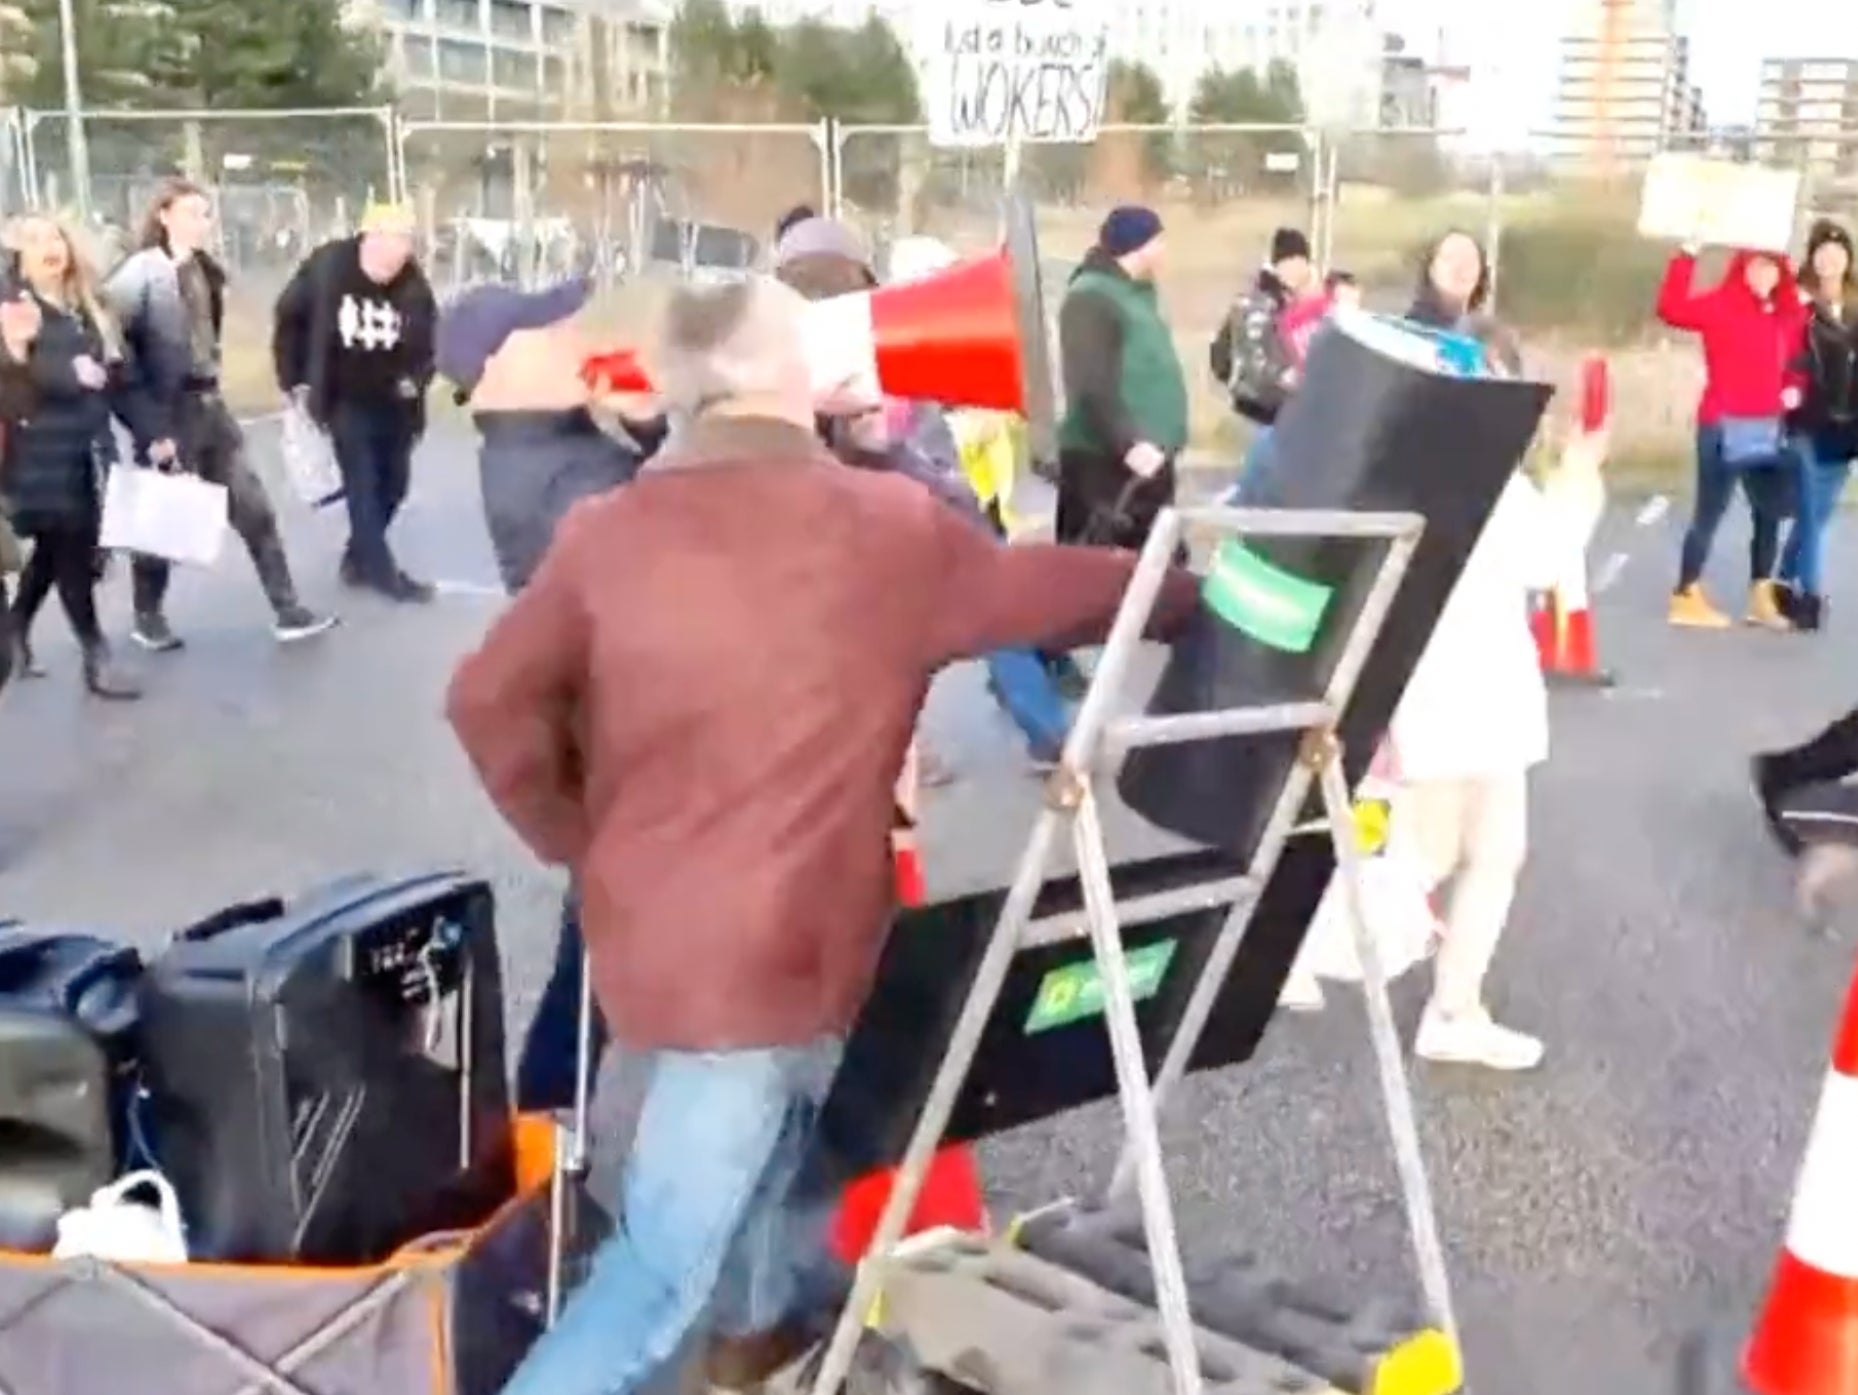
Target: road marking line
point(1608, 573)
point(469, 588)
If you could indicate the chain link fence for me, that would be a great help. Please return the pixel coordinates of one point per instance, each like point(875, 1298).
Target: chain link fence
point(636, 207)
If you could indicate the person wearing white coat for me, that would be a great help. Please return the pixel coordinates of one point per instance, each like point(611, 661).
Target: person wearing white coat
point(1471, 725)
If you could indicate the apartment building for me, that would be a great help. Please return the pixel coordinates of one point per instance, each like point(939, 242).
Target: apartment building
point(524, 59)
point(1335, 46)
point(1806, 113)
point(1624, 90)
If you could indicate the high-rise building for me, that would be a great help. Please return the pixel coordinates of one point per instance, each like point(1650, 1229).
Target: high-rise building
point(1624, 90)
point(515, 59)
point(1807, 114)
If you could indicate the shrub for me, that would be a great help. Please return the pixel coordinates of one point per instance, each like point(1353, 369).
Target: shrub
point(1592, 276)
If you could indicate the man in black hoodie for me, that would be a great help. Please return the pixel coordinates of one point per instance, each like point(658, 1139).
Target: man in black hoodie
point(352, 346)
point(1249, 354)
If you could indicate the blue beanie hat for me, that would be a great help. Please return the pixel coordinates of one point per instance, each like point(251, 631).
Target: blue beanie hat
point(1129, 229)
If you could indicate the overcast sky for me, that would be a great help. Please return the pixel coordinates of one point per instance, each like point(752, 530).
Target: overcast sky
point(1512, 46)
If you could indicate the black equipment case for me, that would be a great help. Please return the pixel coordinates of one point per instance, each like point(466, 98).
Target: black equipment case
point(326, 1077)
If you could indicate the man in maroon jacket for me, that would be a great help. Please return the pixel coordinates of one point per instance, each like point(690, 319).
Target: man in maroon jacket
point(699, 705)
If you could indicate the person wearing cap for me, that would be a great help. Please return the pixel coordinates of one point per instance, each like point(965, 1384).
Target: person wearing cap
point(1250, 354)
point(1125, 417)
point(719, 774)
point(352, 344)
point(514, 358)
point(1825, 424)
point(169, 300)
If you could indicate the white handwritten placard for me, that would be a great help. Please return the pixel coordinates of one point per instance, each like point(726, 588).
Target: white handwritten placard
point(998, 71)
point(1719, 203)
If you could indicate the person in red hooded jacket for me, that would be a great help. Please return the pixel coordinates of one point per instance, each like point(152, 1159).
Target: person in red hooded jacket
point(1751, 323)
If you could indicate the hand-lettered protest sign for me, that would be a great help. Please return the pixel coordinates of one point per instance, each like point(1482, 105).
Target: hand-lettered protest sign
point(999, 71)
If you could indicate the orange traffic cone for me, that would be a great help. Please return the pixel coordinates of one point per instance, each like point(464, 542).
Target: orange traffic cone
point(1806, 1339)
point(951, 1196)
point(1564, 639)
point(970, 336)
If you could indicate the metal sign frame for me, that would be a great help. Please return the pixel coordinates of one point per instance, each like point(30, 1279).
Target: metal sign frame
point(1095, 745)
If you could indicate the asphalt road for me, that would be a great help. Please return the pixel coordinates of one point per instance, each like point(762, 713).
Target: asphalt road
point(1632, 1189)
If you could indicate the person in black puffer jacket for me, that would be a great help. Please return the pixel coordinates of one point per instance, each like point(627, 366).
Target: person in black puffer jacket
point(1825, 427)
point(54, 451)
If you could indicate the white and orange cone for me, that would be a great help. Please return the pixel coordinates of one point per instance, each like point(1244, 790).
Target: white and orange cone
point(1805, 1341)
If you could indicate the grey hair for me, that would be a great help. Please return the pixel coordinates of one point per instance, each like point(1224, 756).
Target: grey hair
point(730, 341)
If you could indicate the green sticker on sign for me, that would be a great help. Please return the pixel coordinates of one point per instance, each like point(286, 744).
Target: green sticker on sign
point(1260, 599)
point(1075, 991)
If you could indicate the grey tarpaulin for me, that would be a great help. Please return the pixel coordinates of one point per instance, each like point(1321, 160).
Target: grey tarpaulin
point(452, 1316)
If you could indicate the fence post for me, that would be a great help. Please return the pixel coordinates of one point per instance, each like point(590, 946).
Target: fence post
point(29, 123)
point(1493, 235)
point(829, 136)
point(396, 171)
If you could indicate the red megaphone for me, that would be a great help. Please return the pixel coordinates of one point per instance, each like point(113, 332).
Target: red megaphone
point(971, 336)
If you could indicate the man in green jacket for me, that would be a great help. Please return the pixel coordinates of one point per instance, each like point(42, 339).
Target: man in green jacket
point(1125, 392)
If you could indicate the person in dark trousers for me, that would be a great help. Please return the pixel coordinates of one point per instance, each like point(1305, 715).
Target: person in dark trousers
point(20, 320)
point(1126, 412)
point(55, 451)
point(1250, 355)
point(1752, 324)
point(169, 298)
point(352, 346)
point(515, 359)
point(1125, 392)
point(720, 775)
point(1825, 427)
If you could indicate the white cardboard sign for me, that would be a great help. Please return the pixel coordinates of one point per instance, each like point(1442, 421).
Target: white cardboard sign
point(1719, 203)
point(998, 71)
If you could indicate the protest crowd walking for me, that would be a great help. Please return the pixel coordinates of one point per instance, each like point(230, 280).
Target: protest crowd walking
point(745, 764)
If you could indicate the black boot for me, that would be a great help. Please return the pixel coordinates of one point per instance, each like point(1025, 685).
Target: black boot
point(104, 678)
point(1831, 755)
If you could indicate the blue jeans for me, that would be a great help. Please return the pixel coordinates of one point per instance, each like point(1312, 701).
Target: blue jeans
point(1259, 451)
point(1820, 484)
point(1769, 489)
point(545, 1073)
point(374, 448)
point(711, 1221)
point(1025, 688)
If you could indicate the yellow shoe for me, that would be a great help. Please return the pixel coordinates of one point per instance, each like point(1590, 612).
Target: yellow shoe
point(1764, 607)
point(1691, 609)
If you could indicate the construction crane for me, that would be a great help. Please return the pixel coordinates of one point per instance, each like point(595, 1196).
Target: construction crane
point(1614, 15)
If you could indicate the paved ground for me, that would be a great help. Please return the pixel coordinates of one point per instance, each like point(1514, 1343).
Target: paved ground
point(1632, 1188)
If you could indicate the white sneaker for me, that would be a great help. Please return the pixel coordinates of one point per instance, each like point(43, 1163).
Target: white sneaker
point(1473, 1039)
point(1301, 993)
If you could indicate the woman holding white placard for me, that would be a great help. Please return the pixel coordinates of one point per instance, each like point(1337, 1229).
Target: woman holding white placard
point(53, 452)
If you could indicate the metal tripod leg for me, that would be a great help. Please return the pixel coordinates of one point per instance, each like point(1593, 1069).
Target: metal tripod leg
point(570, 1167)
point(1138, 1102)
point(1396, 1095)
point(1081, 749)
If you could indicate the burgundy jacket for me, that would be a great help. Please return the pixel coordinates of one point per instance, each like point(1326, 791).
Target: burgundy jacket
point(701, 702)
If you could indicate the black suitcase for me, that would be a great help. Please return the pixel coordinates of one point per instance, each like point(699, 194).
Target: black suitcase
point(326, 1077)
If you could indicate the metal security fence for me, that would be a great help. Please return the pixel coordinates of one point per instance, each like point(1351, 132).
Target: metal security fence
point(15, 172)
point(616, 200)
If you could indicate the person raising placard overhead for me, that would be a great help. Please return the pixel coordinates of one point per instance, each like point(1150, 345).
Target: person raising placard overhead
point(1751, 324)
